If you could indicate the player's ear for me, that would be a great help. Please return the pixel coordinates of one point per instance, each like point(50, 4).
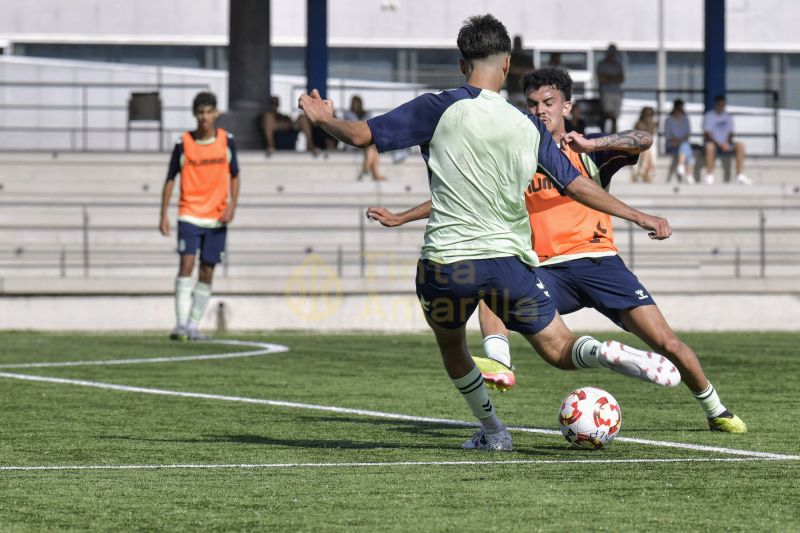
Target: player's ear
point(463, 67)
point(567, 109)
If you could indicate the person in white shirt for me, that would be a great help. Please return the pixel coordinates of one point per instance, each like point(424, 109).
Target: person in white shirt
point(718, 134)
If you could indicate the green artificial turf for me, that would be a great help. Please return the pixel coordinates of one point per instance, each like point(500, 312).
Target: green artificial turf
point(63, 424)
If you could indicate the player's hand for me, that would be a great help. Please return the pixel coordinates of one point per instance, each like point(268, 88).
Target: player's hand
point(316, 109)
point(384, 216)
point(227, 215)
point(164, 226)
point(578, 142)
point(658, 227)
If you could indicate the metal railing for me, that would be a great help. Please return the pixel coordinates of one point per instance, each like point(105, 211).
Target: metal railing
point(84, 107)
point(353, 252)
point(662, 99)
point(772, 99)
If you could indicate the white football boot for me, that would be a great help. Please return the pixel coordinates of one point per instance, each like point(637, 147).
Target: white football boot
point(647, 366)
point(499, 441)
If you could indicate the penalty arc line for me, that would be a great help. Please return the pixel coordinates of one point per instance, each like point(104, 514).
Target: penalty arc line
point(264, 349)
point(382, 464)
point(380, 414)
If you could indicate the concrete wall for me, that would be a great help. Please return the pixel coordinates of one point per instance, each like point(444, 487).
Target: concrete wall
point(364, 312)
point(752, 25)
point(177, 101)
point(177, 114)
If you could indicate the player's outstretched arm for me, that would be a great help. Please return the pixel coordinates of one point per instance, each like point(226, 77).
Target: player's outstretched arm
point(592, 195)
point(390, 220)
point(166, 194)
point(629, 141)
point(320, 113)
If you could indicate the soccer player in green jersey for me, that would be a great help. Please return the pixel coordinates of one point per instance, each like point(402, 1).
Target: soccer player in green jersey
point(481, 153)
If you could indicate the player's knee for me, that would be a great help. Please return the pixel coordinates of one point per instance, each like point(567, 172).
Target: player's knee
point(671, 345)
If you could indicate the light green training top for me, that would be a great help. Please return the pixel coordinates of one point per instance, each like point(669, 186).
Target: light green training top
point(481, 153)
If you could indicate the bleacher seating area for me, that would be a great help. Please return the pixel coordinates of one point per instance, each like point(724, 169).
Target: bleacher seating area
point(87, 224)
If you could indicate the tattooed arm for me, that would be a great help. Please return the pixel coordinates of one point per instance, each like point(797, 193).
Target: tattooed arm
point(629, 141)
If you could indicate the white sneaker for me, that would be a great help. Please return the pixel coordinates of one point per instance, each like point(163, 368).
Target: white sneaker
point(690, 179)
point(193, 334)
point(647, 366)
point(681, 171)
point(499, 441)
point(744, 180)
point(710, 179)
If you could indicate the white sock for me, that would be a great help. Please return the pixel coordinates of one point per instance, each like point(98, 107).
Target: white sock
point(709, 401)
point(200, 297)
point(496, 348)
point(183, 300)
point(474, 391)
point(585, 353)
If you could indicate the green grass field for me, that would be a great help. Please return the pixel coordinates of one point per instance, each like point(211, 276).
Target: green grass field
point(297, 466)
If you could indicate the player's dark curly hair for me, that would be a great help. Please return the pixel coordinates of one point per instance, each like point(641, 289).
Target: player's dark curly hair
point(548, 77)
point(483, 36)
point(204, 99)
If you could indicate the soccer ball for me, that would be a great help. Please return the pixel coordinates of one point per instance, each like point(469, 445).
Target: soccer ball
point(590, 418)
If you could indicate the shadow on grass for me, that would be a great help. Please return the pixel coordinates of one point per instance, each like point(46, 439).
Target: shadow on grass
point(448, 437)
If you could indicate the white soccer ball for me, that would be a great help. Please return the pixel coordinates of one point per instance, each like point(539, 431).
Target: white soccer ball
point(590, 418)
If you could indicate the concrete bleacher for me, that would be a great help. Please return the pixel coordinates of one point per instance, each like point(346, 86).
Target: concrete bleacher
point(293, 206)
point(80, 248)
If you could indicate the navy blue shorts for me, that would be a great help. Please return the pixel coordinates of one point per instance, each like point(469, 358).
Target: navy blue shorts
point(450, 293)
point(210, 241)
point(604, 283)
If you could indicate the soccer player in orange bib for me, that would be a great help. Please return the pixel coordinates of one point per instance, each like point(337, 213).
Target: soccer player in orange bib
point(578, 259)
point(206, 161)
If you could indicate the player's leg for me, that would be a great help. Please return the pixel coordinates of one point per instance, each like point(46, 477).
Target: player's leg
point(496, 365)
point(648, 323)
point(448, 294)
point(557, 346)
point(211, 252)
point(188, 243)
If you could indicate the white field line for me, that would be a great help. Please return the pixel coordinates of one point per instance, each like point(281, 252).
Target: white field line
point(264, 349)
point(385, 464)
point(380, 414)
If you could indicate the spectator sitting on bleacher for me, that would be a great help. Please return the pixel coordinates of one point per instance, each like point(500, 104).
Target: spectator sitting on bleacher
point(718, 133)
point(676, 135)
point(645, 168)
point(280, 131)
point(371, 164)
